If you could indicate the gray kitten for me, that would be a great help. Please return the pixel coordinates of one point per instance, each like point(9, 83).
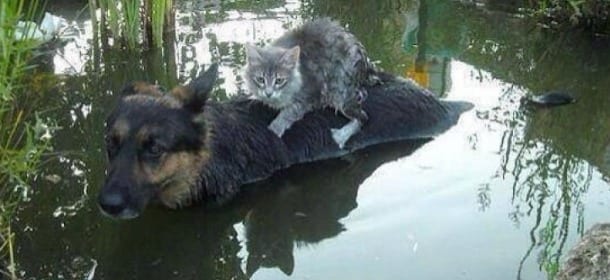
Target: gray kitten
point(317, 65)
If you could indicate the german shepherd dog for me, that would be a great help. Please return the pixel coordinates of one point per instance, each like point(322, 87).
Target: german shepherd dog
point(176, 148)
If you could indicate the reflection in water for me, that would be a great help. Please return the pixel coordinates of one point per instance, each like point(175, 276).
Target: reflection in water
point(429, 69)
point(307, 205)
point(547, 184)
point(552, 167)
point(547, 156)
point(551, 172)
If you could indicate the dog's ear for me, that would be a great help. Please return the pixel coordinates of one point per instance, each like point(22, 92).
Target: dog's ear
point(128, 89)
point(194, 95)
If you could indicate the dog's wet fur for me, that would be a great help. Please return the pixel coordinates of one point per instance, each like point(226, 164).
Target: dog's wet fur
point(177, 149)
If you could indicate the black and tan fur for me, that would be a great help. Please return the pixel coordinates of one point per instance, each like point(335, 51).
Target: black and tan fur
point(178, 149)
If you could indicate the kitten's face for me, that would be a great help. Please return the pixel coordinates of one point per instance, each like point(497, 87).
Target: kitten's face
point(272, 74)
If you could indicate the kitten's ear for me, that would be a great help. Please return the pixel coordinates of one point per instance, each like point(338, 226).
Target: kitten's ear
point(291, 57)
point(194, 95)
point(253, 54)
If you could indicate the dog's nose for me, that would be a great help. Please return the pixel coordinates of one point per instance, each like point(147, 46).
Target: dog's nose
point(112, 203)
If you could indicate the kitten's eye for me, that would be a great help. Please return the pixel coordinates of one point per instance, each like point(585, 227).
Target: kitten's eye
point(360, 97)
point(280, 81)
point(259, 80)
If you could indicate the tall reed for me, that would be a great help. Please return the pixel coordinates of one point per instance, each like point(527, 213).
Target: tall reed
point(160, 17)
point(20, 149)
point(133, 23)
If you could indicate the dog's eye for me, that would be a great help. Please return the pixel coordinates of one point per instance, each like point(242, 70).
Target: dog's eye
point(155, 150)
point(161, 89)
point(111, 145)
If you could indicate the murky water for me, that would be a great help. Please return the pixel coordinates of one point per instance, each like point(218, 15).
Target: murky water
point(502, 195)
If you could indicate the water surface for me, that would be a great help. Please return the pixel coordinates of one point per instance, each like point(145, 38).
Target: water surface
point(502, 195)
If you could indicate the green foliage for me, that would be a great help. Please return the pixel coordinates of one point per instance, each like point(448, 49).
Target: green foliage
point(20, 145)
point(17, 165)
point(591, 14)
point(13, 53)
point(134, 23)
point(131, 26)
point(159, 19)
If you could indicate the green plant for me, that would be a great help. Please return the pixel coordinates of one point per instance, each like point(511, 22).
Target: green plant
point(131, 25)
point(590, 14)
point(20, 148)
point(159, 19)
point(134, 23)
point(13, 52)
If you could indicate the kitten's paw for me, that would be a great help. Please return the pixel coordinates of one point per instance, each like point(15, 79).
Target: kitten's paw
point(339, 136)
point(277, 128)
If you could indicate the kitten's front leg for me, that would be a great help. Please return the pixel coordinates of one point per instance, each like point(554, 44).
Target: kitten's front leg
point(341, 135)
point(278, 126)
point(286, 118)
point(357, 116)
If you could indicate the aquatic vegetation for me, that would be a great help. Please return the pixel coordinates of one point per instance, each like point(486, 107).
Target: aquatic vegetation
point(132, 23)
point(591, 14)
point(20, 145)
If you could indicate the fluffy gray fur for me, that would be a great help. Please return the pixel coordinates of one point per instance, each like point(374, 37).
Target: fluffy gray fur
point(319, 64)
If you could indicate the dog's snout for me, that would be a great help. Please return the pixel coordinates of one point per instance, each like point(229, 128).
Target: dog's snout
point(112, 203)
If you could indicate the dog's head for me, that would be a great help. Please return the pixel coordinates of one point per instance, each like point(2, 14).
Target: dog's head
point(155, 143)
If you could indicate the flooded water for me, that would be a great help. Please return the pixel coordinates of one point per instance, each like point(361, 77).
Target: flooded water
point(502, 195)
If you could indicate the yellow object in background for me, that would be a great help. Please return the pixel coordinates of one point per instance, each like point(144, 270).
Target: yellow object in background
point(421, 75)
